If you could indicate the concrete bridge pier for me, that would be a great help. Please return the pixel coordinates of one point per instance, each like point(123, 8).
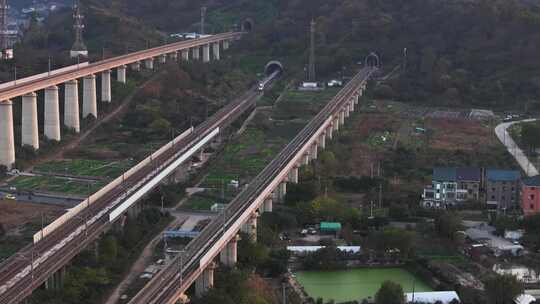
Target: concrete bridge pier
point(196, 53)
point(52, 114)
point(121, 74)
point(71, 106)
point(342, 118)
point(216, 51)
point(293, 175)
point(149, 63)
point(351, 107)
point(347, 110)
point(322, 140)
point(136, 66)
point(305, 159)
point(106, 95)
point(330, 131)
point(205, 281)
point(225, 44)
point(206, 53)
point(89, 96)
point(336, 123)
point(185, 55)
point(314, 151)
point(356, 99)
point(29, 128)
point(250, 227)
point(229, 255)
point(268, 205)
point(7, 140)
point(282, 191)
point(56, 280)
point(163, 59)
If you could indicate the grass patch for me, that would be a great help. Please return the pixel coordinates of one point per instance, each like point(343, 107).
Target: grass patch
point(86, 167)
point(56, 185)
point(198, 202)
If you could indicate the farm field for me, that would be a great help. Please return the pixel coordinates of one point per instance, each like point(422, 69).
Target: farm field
point(56, 185)
point(86, 167)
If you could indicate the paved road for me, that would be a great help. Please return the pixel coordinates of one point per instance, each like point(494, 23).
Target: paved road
point(37, 198)
point(513, 149)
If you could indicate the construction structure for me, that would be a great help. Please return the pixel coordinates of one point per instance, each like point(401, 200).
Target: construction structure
point(311, 68)
point(6, 51)
point(203, 19)
point(79, 48)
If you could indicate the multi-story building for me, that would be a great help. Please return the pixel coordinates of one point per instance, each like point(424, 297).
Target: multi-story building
point(469, 179)
point(530, 195)
point(502, 189)
point(452, 185)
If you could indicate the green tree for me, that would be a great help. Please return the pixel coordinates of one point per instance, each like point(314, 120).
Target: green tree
point(108, 250)
point(447, 224)
point(529, 135)
point(390, 293)
point(395, 238)
point(503, 289)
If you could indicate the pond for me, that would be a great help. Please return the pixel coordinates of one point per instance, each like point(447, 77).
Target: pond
point(355, 284)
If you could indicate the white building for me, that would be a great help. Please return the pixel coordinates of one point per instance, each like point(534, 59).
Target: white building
point(432, 296)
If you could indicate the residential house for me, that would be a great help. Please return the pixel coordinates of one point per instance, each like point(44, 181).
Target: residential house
point(452, 185)
point(530, 195)
point(469, 179)
point(502, 189)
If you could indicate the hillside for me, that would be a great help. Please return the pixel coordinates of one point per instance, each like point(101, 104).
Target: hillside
point(478, 53)
point(462, 53)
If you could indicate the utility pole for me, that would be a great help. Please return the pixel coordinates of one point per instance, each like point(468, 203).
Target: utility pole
point(311, 69)
point(284, 293)
point(380, 195)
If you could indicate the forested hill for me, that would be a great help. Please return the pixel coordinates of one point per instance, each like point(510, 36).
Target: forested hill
point(483, 53)
point(459, 52)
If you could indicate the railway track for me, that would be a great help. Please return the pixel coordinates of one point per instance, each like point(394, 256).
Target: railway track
point(171, 281)
point(18, 278)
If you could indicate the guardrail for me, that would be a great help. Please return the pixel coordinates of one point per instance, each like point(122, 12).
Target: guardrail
point(38, 236)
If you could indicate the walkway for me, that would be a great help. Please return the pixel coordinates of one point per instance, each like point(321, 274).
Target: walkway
point(505, 138)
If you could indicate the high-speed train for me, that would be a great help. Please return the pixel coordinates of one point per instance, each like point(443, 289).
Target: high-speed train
point(263, 84)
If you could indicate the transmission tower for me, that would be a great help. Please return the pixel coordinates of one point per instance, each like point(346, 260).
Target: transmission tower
point(311, 68)
point(6, 50)
point(79, 48)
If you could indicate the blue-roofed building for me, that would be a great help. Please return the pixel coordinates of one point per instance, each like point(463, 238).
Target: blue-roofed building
point(452, 185)
point(502, 189)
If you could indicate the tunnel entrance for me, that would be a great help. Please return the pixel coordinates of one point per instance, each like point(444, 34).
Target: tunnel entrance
point(273, 66)
point(247, 25)
point(373, 61)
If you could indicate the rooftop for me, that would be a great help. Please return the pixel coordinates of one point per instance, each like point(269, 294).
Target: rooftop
point(503, 175)
point(532, 181)
point(457, 174)
point(432, 296)
point(444, 174)
point(330, 226)
point(468, 174)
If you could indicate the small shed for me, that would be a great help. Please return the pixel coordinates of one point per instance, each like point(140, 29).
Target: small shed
point(329, 227)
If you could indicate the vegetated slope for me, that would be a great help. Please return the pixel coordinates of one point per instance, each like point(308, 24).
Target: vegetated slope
point(478, 52)
point(107, 30)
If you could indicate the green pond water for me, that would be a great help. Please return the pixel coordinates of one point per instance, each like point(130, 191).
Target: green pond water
point(355, 284)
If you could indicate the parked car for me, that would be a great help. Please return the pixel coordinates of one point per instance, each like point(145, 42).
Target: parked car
point(10, 197)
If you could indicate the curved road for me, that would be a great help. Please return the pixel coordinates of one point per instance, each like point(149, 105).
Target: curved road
point(505, 138)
